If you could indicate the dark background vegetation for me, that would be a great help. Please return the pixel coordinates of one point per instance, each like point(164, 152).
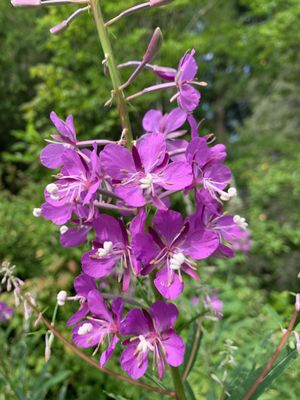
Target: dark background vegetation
point(248, 52)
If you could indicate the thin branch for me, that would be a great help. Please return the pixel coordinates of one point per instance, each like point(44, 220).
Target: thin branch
point(274, 356)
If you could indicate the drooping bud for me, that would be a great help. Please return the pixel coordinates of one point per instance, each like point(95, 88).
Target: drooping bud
point(37, 212)
point(297, 303)
point(158, 3)
point(26, 3)
point(61, 297)
point(59, 27)
point(153, 46)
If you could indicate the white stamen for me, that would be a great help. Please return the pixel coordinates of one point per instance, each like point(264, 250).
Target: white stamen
point(85, 328)
point(146, 183)
point(52, 188)
point(61, 297)
point(144, 345)
point(240, 222)
point(37, 212)
point(176, 261)
point(63, 229)
point(105, 250)
point(232, 192)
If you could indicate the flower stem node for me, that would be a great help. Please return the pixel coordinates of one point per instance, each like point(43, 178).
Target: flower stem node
point(61, 298)
point(37, 212)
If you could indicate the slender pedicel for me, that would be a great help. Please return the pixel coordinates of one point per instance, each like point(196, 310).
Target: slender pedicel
point(152, 89)
point(64, 24)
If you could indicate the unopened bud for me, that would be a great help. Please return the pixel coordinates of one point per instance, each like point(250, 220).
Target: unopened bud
point(61, 297)
point(297, 342)
point(153, 46)
point(37, 212)
point(297, 303)
point(26, 3)
point(158, 3)
point(59, 27)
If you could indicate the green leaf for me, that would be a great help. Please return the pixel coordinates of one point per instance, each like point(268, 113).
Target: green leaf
point(247, 378)
point(189, 391)
point(192, 347)
point(115, 396)
point(275, 372)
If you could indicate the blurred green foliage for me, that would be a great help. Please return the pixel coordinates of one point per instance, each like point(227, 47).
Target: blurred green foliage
point(248, 52)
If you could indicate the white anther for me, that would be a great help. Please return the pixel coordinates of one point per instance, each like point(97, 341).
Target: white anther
point(52, 188)
point(144, 345)
point(146, 183)
point(61, 297)
point(232, 192)
point(37, 212)
point(63, 229)
point(240, 222)
point(225, 196)
point(105, 250)
point(85, 328)
point(176, 261)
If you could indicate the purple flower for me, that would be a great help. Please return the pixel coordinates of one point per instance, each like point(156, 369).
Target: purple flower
point(187, 96)
point(208, 168)
point(112, 247)
point(81, 225)
point(83, 284)
point(152, 333)
point(213, 303)
point(77, 184)
point(155, 122)
point(140, 175)
point(102, 325)
point(172, 248)
point(51, 155)
point(6, 312)
point(226, 228)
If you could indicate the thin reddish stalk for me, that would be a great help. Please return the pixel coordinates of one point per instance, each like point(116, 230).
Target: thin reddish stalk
point(274, 356)
point(93, 363)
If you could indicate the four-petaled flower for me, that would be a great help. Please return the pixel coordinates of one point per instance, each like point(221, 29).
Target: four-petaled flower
point(102, 325)
point(51, 155)
point(151, 331)
point(141, 175)
point(112, 246)
point(171, 247)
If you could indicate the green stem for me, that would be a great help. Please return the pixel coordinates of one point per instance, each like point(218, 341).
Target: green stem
point(175, 372)
point(113, 71)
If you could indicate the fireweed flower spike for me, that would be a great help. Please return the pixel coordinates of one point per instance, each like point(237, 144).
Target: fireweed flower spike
point(140, 176)
point(151, 331)
point(100, 326)
point(171, 248)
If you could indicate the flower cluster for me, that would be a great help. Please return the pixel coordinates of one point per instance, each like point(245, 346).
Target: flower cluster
point(146, 238)
point(141, 237)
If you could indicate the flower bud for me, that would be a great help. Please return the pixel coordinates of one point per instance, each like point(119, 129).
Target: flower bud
point(153, 46)
point(26, 3)
point(37, 212)
point(158, 3)
point(59, 27)
point(61, 297)
point(297, 303)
